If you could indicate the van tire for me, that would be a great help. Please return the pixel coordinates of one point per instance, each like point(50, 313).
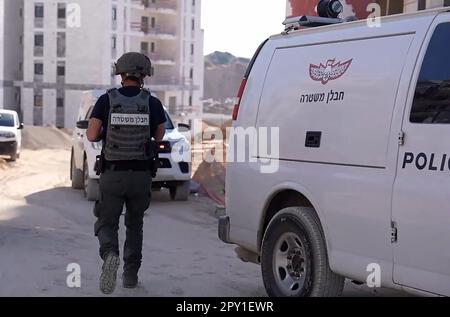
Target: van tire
point(76, 175)
point(307, 257)
point(180, 192)
point(91, 186)
point(13, 157)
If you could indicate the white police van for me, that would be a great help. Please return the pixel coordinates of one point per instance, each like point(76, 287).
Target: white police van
point(173, 174)
point(362, 189)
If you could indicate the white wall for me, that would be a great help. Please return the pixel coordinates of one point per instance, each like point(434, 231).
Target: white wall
point(73, 101)
point(49, 111)
point(412, 5)
point(2, 51)
point(87, 59)
point(27, 105)
point(11, 28)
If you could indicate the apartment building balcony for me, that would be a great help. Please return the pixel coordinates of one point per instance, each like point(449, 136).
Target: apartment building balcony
point(143, 29)
point(161, 6)
point(163, 80)
point(38, 23)
point(160, 59)
point(166, 82)
point(38, 51)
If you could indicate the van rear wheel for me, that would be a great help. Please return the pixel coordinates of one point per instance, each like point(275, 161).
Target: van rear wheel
point(294, 258)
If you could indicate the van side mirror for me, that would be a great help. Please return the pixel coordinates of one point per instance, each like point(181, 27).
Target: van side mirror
point(83, 124)
point(184, 127)
point(20, 126)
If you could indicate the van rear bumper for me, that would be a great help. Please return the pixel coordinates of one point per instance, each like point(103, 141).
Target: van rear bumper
point(224, 229)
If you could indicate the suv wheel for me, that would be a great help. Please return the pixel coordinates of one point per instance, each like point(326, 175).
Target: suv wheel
point(180, 192)
point(76, 175)
point(91, 186)
point(294, 259)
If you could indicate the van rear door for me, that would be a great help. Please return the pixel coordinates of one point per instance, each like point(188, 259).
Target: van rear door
point(421, 204)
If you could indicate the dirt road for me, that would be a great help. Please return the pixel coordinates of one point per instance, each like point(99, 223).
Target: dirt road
point(45, 226)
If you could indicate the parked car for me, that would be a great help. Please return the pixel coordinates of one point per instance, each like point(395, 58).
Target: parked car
point(10, 134)
point(362, 187)
point(173, 175)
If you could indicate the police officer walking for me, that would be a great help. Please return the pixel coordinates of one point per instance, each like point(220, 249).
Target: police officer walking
point(128, 120)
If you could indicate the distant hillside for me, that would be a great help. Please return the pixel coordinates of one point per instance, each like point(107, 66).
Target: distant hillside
point(223, 75)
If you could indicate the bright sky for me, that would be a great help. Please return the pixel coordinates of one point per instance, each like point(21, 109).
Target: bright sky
point(239, 26)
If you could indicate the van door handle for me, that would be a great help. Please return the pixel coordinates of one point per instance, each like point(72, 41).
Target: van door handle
point(313, 139)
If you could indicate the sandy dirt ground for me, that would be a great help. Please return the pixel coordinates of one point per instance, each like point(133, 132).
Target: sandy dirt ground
point(45, 226)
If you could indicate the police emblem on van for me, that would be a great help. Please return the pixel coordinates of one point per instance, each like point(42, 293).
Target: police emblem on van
point(330, 71)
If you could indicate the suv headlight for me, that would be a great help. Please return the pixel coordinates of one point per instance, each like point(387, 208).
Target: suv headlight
point(7, 135)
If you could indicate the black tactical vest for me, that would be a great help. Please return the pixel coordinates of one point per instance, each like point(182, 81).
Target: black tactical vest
point(128, 136)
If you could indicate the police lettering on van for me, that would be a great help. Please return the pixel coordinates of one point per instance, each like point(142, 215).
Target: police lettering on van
point(431, 162)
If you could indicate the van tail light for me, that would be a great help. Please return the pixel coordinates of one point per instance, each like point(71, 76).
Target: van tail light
point(239, 97)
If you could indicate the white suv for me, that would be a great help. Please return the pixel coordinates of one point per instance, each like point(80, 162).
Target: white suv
point(360, 183)
point(174, 175)
point(10, 134)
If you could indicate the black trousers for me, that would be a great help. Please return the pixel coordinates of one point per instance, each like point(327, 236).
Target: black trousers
point(119, 188)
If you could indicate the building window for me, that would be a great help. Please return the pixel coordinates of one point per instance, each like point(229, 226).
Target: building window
point(61, 10)
point(39, 39)
point(144, 24)
point(193, 24)
point(60, 102)
point(61, 15)
point(193, 3)
point(39, 44)
point(153, 47)
point(432, 98)
point(114, 42)
point(39, 15)
point(39, 10)
point(39, 69)
point(114, 18)
point(61, 44)
point(61, 69)
point(153, 23)
point(190, 101)
point(114, 14)
point(144, 48)
point(192, 49)
point(422, 5)
point(191, 74)
point(38, 100)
